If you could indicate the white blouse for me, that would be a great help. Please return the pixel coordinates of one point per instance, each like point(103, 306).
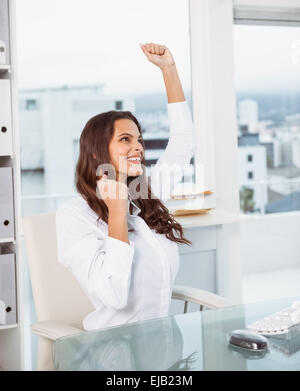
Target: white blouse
point(126, 282)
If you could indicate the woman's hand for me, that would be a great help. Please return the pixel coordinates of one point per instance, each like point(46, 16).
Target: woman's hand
point(115, 196)
point(159, 55)
point(113, 193)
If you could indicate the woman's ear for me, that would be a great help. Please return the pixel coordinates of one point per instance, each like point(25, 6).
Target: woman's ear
point(94, 156)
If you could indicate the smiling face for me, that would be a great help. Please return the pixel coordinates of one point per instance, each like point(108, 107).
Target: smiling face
point(126, 143)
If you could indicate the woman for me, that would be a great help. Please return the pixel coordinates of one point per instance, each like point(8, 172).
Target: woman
point(122, 249)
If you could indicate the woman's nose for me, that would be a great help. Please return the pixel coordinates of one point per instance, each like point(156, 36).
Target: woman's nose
point(138, 147)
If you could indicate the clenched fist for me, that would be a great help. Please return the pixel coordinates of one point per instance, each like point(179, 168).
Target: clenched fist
point(159, 55)
point(113, 193)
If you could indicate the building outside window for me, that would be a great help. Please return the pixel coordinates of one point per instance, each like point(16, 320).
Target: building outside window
point(266, 62)
point(268, 103)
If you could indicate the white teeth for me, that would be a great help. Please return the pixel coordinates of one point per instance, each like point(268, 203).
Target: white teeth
point(134, 158)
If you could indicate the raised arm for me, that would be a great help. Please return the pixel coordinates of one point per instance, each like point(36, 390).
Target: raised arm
point(161, 56)
point(169, 168)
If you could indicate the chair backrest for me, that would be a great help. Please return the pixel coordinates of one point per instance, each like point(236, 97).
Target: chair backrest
point(57, 294)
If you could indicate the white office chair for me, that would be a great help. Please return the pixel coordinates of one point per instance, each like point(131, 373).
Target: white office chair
point(59, 300)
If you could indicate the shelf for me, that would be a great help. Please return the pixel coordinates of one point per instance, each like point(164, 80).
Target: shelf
point(7, 240)
point(212, 217)
point(12, 339)
point(4, 68)
point(8, 326)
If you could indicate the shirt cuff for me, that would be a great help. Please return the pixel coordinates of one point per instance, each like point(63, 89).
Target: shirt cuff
point(180, 118)
point(119, 255)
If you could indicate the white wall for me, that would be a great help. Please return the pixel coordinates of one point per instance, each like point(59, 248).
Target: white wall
point(270, 243)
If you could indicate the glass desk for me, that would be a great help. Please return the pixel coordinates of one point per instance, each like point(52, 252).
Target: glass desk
point(195, 341)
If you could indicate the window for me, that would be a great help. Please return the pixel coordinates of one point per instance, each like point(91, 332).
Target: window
point(268, 105)
point(31, 104)
point(119, 105)
point(80, 72)
point(250, 175)
point(267, 72)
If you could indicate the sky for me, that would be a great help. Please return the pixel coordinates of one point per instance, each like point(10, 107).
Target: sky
point(77, 42)
point(267, 58)
point(95, 41)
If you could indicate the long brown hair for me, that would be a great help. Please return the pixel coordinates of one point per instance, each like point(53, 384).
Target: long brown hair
point(95, 139)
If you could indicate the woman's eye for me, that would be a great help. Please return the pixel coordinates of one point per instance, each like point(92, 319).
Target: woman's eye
point(126, 138)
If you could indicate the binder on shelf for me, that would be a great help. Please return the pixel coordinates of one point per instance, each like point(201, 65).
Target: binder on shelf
point(8, 287)
point(4, 26)
point(5, 119)
point(7, 229)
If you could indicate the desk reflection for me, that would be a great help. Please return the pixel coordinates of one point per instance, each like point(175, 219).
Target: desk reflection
point(155, 346)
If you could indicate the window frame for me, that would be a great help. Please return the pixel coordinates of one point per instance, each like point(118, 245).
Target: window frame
point(214, 115)
point(267, 12)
